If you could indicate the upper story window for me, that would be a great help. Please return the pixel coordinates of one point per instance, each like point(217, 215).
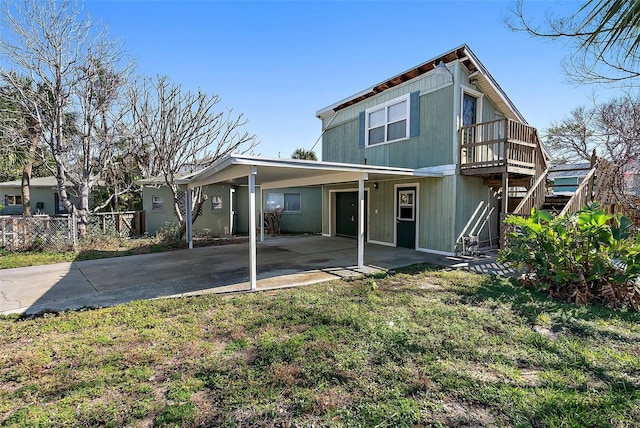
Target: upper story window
point(388, 122)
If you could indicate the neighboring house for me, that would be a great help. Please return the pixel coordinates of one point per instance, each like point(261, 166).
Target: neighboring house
point(44, 197)
point(225, 211)
point(566, 178)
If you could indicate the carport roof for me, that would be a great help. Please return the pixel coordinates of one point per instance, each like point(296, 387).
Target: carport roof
point(277, 173)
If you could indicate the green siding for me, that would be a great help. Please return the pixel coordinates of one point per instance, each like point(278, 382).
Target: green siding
point(436, 213)
point(46, 195)
point(566, 184)
point(156, 220)
point(432, 147)
point(471, 194)
point(213, 222)
point(308, 220)
point(435, 201)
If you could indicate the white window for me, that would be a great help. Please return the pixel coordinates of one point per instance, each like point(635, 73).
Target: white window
point(406, 205)
point(388, 122)
point(289, 202)
point(157, 203)
point(13, 199)
point(216, 203)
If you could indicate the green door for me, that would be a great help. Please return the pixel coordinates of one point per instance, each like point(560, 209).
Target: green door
point(406, 217)
point(347, 213)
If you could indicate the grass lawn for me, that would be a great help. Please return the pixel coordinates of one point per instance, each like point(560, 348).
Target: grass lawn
point(102, 247)
point(417, 347)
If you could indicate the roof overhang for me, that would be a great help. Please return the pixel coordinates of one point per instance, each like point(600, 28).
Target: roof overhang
point(462, 54)
point(273, 173)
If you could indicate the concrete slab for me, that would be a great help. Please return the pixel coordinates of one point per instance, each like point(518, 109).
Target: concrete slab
point(282, 262)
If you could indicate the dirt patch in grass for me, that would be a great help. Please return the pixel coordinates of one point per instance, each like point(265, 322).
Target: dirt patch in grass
point(456, 414)
point(423, 348)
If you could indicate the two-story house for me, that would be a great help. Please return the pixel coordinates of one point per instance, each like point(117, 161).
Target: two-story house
point(445, 115)
point(428, 159)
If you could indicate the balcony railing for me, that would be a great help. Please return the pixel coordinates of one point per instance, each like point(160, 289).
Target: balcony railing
point(499, 145)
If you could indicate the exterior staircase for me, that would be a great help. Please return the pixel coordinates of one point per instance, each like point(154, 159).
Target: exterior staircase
point(508, 155)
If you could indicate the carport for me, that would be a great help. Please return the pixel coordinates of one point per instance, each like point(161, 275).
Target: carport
point(282, 173)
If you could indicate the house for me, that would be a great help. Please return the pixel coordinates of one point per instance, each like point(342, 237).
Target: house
point(446, 115)
point(225, 210)
point(566, 178)
point(430, 159)
point(44, 197)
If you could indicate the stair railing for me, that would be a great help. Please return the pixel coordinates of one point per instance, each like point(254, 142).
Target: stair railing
point(534, 195)
point(582, 196)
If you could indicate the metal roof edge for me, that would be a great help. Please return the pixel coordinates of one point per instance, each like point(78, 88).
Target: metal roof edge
point(330, 108)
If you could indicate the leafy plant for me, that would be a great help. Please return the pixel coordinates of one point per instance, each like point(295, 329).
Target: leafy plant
point(590, 255)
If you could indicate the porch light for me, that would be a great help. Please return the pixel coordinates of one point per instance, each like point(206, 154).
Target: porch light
point(442, 70)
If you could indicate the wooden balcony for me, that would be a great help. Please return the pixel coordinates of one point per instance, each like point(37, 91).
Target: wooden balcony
point(499, 146)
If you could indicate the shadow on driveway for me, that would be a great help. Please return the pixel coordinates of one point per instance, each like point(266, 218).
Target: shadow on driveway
point(282, 262)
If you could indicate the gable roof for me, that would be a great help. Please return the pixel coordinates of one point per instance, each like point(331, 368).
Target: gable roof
point(485, 82)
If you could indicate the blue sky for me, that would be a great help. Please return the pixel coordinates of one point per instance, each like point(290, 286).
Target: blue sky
point(280, 62)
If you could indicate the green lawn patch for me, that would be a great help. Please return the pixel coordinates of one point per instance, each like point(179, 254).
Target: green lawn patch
point(416, 347)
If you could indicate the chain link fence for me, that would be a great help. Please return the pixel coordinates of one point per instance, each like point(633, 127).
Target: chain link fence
point(38, 233)
point(45, 233)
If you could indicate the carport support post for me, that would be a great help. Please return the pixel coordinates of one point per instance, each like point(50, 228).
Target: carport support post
point(189, 218)
point(252, 228)
point(361, 220)
point(261, 215)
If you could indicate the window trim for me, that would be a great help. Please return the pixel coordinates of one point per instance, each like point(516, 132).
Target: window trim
point(403, 98)
point(412, 192)
point(283, 201)
point(216, 203)
point(13, 197)
point(479, 96)
point(157, 200)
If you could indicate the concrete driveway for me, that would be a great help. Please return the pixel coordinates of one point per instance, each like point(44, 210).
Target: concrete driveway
point(282, 262)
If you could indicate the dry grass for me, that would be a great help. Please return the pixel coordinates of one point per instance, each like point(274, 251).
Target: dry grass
point(424, 347)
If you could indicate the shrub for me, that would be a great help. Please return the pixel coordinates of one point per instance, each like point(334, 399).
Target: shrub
point(587, 256)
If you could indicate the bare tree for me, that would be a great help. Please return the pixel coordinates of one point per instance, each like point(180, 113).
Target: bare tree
point(602, 35)
point(78, 67)
point(574, 137)
point(612, 128)
point(179, 132)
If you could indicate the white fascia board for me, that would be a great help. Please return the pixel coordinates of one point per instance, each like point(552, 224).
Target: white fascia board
point(320, 165)
point(483, 70)
point(341, 177)
point(436, 171)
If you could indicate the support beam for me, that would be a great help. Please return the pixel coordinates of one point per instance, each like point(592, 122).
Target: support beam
point(361, 214)
point(252, 228)
point(261, 214)
point(505, 192)
point(189, 217)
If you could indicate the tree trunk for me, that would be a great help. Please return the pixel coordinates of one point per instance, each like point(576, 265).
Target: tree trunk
point(26, 189)
point(83, 210)
point(28, 167)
